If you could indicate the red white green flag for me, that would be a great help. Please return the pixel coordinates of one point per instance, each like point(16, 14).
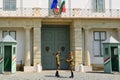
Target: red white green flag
point(62, 7)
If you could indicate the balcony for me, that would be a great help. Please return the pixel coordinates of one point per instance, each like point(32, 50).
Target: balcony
point(70, 13)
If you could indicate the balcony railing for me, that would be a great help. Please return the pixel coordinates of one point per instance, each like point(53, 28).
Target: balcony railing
point(75, 12)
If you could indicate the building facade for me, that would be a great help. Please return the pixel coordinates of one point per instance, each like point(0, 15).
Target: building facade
point(40, 32)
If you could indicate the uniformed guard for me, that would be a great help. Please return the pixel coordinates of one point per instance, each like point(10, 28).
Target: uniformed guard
point(70, 60)
point(57, 64)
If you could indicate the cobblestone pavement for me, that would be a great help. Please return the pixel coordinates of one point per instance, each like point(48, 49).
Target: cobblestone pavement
point(64, 75)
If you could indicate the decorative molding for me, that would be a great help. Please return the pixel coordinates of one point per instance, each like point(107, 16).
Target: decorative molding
point(37, 23)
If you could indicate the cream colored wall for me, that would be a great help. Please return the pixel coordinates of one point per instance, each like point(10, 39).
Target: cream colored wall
point(84, 4)
point(115, 4)
point(20, 38)
point(19, 25)
point(1, 3)
point(20, 45)
point(99, 60)
point(110, 26)
point(77, 35)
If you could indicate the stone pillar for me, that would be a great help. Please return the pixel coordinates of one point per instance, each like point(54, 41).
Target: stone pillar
point(37, 45)
point(27, 44)
point(87, 51)
point(76, 43)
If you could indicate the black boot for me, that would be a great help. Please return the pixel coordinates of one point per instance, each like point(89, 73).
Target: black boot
point(57, 74)
point(72, 75)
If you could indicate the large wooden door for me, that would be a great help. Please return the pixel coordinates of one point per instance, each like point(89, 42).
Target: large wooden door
point(54, 38)
point(47, 49)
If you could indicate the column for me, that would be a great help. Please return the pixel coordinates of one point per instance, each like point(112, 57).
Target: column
point(37, 45)
point(76, 43)
point(87, 51)
point(27, 44)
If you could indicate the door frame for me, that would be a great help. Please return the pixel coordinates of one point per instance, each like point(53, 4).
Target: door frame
point(10, 57)
point(67, 27)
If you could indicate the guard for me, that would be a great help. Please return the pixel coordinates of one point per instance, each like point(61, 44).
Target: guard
point(57, 64)
point(70, 60)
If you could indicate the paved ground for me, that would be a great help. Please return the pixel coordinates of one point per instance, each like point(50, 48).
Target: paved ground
point(49, 75)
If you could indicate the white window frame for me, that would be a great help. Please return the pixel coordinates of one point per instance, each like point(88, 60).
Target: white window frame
point(98, 40)
point(100, 5)
point(11, 33)
point(9, 5)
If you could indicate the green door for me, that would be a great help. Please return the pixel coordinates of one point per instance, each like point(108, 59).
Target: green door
point(7, 58)
point(1, 60)
point(114, 56)
point(54, 38)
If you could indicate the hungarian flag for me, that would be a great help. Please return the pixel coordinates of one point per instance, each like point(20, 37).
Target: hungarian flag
point(54, 4)
point(62, 7)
